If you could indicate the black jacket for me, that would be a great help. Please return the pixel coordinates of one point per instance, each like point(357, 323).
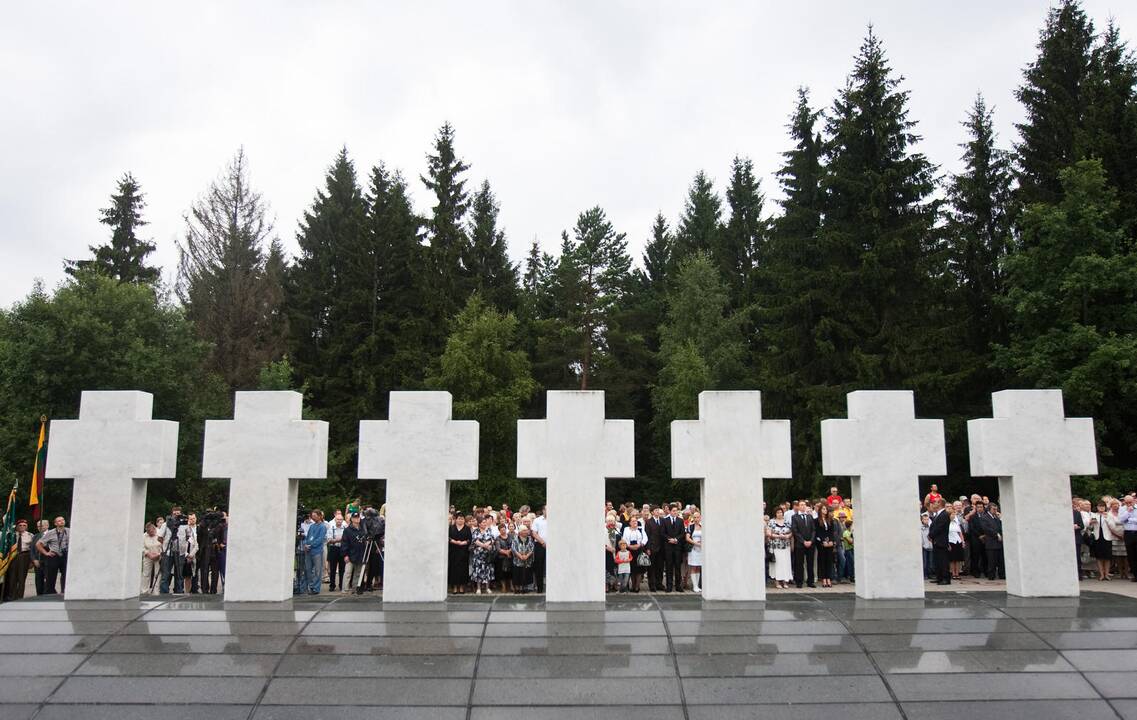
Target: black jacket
point(654, 535)
point(991, 528)
point(353, 543)
point(938, 530)
point(673, 530)
point(803, 527)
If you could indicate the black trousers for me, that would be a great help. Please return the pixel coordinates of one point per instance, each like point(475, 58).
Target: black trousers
point(655, 572)
point(41, 575)
point(54, 567)
point(673, 566)
point(803, 563)
point(1131, 551)
point(995, 564)
point(337, 564)
point(539, 566)
point(978, 557)
point(216, 571)
point(942, 562)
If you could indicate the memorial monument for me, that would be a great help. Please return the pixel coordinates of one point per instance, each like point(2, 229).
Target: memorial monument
point(885, 449)
point(110, 451)
point(418, 451)
point(1033, 448)
point(575, 450)
point(264, 451)
point(731, 448)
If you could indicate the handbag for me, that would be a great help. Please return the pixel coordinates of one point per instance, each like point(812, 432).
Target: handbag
point(643, 560)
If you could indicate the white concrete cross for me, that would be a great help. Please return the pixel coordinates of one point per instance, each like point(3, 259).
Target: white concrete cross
point(575, 449)
point(264, 450)
point(419, 450)
point(732, 448)
point(885, 449)
point(1033, 448)
point(111, 450)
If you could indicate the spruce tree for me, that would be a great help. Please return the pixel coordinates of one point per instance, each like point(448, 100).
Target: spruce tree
point(600, 262)
point(701, 223)
point(224, 281)
point(445, 228)
point(741, 244)
point(1110, 127)
point(1053, 96)
point(124, 257)
point(485, 260)
point(657, 253)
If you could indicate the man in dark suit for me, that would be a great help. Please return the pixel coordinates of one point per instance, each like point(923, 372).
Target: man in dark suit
point(804, 531)
point(938, 535)
point(1079, 529)
point(653, 526)
point(991, 527)
point(674, 538)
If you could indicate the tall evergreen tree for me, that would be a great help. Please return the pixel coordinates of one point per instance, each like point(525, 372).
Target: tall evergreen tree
point(657, 252)
point(1053, 97)
point(124, 257)
point(230, 294)
point(1110, 129)
point(701, 222)
point(742, 242)
point(445, 228)
point(601, 262)
point(980, 227)
point(485, 259)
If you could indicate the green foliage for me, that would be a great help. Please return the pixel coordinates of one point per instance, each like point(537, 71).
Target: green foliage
point(491, 381)
point(485, 260)
point(445, 231)
point(124, 257)
point(1072, 301)
point(95, 333)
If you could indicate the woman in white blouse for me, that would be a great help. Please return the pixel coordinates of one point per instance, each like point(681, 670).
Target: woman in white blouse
point(637, 541)
point(778, 538)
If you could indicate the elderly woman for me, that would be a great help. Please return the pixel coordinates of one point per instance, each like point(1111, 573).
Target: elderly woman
point(484, 554)
point(458, 572)
point(503, 570)
point(151, 558)
point(522, 551)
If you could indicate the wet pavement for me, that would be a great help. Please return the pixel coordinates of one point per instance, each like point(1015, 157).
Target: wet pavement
point(675, 656)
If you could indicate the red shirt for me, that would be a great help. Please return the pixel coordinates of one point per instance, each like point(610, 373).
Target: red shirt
point(833, 500)
point(931, 497)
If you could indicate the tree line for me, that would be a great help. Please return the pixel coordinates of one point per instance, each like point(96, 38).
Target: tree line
point(873, 271)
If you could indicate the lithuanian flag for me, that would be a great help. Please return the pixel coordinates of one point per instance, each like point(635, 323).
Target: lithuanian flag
point(37, 472)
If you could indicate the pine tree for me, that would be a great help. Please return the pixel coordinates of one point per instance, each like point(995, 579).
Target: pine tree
point(485, 261)
point(1110, 127)
point(657, 253)
point(124, 257)
point(1053, 97)
point(601, 263)
point(980, 227)
point(445, 228)
point(224, 280)
point(741, 244)
point(701, 222)
point(534, 268)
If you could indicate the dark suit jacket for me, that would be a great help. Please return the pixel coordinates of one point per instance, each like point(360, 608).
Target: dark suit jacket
point(992, 529)
point(673, 528)
point(1080, 529)
point(803, 527)
point(938, 530)
point(654, 535)
point(823, 534)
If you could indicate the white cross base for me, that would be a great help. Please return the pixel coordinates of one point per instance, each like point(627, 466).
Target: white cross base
point(264, 450)
point(575, 449)
point(1033, 448)
point(419, 450)
point(110, 451)
point(732, 449)
point(885, 449)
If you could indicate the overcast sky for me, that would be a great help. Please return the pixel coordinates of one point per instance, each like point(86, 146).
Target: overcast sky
point(562, 106)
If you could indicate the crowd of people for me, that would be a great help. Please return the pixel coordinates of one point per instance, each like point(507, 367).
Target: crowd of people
point(652, 547)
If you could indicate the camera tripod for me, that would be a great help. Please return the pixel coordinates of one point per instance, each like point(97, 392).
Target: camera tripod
point(370, 552)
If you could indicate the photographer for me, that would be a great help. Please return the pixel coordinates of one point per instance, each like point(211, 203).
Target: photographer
point(353, 543)
point(218, 537)
point(375, 532)
point(177, 547)
point(206, 553)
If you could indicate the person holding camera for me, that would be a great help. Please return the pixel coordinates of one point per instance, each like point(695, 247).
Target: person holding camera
point(181, 547)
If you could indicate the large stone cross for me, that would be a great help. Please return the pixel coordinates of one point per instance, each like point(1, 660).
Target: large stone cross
point(575, 449)
point(885, 449)
point(419, 450)
point(732, 448)
point(264, 450)
point(111, 450)
point(1033, 448)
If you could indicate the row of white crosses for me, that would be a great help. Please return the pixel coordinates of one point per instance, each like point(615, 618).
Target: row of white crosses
point(115, 446)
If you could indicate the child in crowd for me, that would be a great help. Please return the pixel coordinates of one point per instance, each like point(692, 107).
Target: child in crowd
point(624, 565)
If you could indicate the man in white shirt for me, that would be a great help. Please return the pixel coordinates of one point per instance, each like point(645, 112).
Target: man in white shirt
point(337, 562)
point(540, 528)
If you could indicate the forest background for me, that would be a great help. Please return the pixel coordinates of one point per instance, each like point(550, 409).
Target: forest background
point(872, 271)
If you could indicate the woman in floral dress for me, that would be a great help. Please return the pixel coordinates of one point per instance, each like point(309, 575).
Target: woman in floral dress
point(484, 554)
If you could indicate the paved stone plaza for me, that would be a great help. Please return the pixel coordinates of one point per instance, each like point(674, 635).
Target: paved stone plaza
point(673, 657)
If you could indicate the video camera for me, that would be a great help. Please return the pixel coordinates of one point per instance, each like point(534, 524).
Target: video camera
point(212, 518)
point(374, 527)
